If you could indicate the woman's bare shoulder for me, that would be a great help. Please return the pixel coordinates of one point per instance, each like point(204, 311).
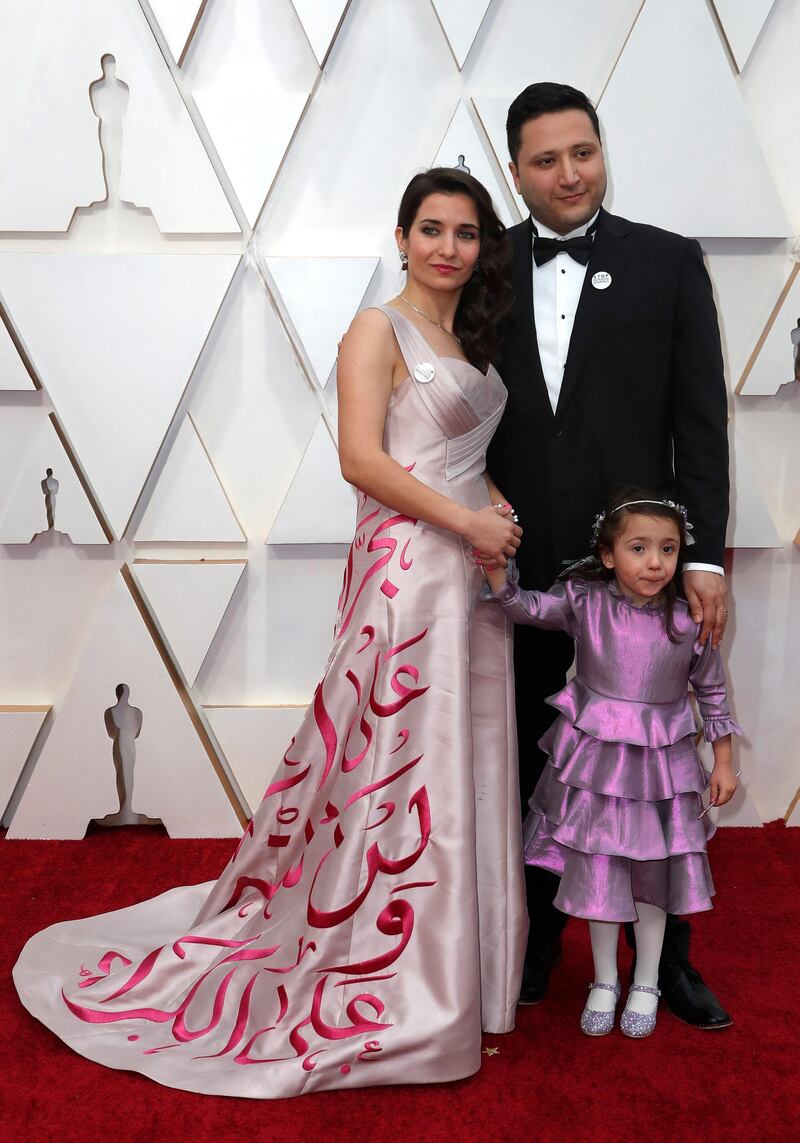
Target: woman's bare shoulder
point(370, 336)
point(372, 325)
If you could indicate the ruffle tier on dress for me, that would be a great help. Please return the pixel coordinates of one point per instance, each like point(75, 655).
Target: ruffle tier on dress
point(616, 813)
point(616, 820)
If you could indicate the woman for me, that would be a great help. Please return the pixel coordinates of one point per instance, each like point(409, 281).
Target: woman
point(373, 914)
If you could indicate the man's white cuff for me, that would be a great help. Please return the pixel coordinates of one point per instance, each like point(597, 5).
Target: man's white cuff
point(705, 567)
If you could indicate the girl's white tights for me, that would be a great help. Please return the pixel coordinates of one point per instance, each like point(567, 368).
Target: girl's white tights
point(605, 939)
point(649, 934)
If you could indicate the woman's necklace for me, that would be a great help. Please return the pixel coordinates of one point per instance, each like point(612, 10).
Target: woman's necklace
point(430, 319)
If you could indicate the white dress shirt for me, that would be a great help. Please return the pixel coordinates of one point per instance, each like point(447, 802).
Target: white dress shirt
point(556, 292)
point(557, 289)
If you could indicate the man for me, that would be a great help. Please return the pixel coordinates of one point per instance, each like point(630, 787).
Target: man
point(614, 371)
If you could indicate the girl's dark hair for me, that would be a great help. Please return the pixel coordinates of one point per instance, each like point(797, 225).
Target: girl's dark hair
point(592, 569)
point(541, 99)
point(487, 297)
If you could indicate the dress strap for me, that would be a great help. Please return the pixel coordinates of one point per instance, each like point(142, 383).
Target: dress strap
point(433, 378)
point(413, 345)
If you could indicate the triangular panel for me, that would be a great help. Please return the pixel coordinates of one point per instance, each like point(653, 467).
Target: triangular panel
point(232, 116)
point(252, 405)
point(13, 374)
point(675, 48)
point(320, 505)
point(462, 146)
point(750, 524)
point(254, 739)
point(20, 425)
point(460, 20)
point(321, 297)
point(19, 726)
point(775, 361)
point(188, 600)
point(189, 503)
point(115, 338)
point(177, 20)
point(321, 20)
point(492, 111)
point(34, 495)
point(173, 777)
point(251, 79)
point(50, 597)
point(50, 157)
point(742, 21)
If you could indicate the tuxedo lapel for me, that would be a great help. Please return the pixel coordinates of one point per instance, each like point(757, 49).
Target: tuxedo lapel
point(523, 341)
point(611, 253)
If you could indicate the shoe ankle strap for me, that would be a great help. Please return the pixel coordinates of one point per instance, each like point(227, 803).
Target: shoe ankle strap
point(607, 987)
point(644, 988)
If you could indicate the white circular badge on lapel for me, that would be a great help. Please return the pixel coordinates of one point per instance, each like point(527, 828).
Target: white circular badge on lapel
point(601, 280)
point(424, 372)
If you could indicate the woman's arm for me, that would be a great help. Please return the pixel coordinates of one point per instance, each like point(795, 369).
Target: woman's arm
point(369, 366)
point(501, 504)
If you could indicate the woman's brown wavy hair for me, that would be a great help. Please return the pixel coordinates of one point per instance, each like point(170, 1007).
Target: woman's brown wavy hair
point(487, 297)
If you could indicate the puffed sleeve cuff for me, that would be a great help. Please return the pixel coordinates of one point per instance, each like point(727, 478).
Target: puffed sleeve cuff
point(718, 727)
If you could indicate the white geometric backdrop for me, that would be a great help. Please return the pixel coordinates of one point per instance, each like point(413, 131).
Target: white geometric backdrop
point(168, 341)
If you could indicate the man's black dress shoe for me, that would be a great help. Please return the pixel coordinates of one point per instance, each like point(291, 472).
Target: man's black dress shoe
point(536, 973)
point(688, 997)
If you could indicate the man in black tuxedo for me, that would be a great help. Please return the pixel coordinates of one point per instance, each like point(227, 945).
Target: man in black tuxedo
point(614, 373)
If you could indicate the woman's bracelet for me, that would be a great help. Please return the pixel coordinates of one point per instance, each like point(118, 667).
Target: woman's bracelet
point(514, 516)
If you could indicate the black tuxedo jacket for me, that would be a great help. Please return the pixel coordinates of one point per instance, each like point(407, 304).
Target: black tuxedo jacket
point(643, 399)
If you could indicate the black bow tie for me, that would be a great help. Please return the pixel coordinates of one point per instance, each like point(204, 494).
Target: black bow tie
point(579, 248)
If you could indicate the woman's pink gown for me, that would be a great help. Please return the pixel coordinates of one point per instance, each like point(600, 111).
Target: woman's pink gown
point(372, 918)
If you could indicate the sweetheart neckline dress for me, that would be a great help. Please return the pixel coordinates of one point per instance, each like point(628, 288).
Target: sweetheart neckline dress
point(372, 918)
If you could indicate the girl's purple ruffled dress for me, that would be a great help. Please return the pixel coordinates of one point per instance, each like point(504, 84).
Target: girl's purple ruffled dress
point(615, 813)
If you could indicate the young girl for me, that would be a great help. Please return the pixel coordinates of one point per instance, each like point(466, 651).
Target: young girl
point(617, 812)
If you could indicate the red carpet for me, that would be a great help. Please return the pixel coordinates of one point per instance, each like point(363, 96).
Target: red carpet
point(547, 1083)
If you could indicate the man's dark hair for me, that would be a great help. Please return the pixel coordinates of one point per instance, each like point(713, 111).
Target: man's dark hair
point(540, 99)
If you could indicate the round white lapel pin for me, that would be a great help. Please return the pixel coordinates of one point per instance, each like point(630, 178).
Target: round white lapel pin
point(601, 280)
point(424, 372)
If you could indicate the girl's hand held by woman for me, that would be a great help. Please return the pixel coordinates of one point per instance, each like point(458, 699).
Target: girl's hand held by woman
point(496, 578)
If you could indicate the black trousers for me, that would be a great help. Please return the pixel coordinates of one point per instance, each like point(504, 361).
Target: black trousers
point(541, 661)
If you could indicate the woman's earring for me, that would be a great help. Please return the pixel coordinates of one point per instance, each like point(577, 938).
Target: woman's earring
point(477, 266)
point(403, 259)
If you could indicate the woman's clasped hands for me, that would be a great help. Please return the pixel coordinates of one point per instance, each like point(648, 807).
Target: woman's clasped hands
point(494, 535)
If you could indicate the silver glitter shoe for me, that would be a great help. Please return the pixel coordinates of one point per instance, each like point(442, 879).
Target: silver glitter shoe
point(637, 1025)
point(594, 1023)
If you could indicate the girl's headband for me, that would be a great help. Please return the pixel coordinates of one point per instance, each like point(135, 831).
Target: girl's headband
point(688, 538)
